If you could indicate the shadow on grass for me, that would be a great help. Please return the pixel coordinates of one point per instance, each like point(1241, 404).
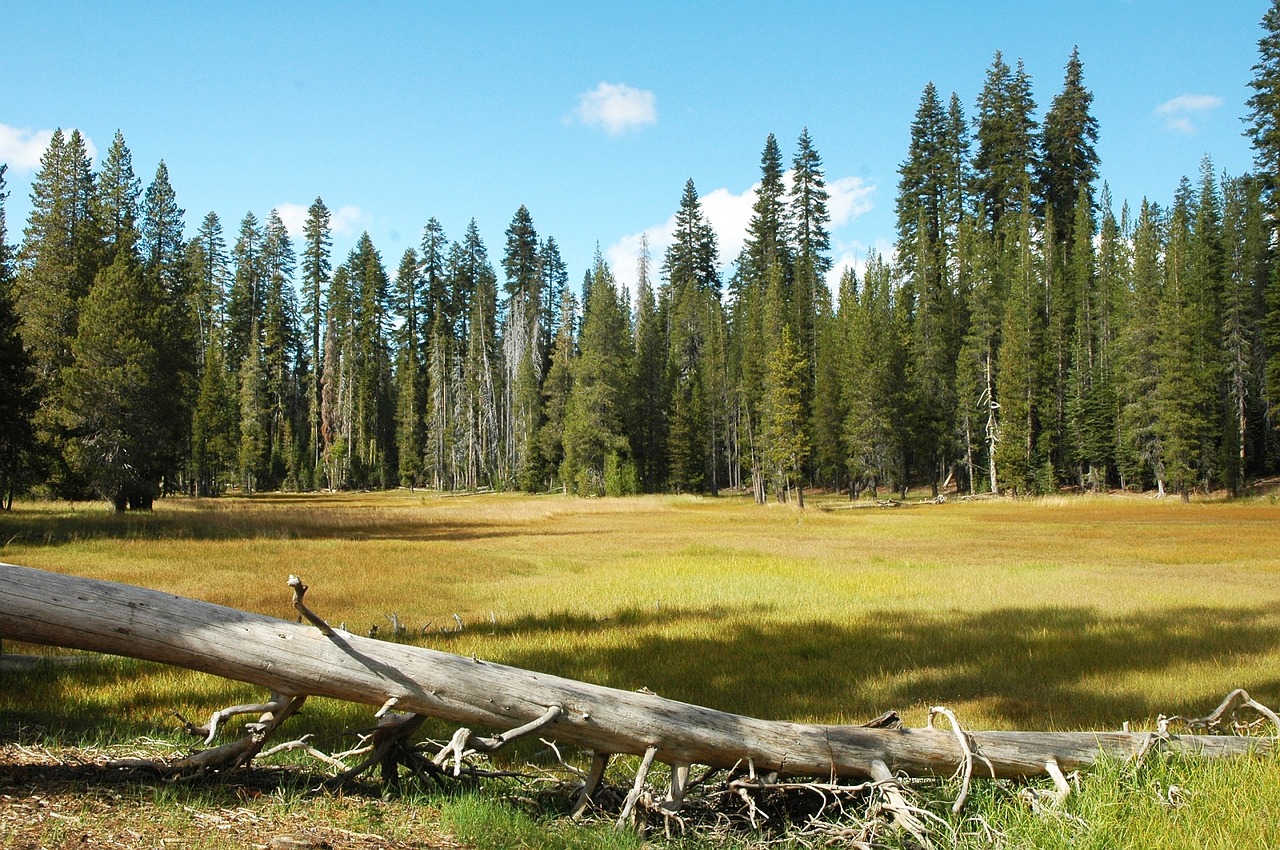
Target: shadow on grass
point(19, 529)
point(578, 624)
point(1029, 667)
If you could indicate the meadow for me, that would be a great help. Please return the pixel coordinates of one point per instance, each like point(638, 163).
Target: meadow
point(1058, 613)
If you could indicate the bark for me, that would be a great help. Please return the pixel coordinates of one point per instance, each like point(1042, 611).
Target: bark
point(295, 660)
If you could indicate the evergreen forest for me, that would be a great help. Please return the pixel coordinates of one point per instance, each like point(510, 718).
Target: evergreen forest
point(1030, 333)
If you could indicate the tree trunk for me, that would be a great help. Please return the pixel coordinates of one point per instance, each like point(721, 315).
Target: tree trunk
point(295, 660)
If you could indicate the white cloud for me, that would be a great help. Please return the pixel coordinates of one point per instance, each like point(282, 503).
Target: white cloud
point(850, 198)
point(729, 215)
point(346, 220)
point(617, 107)
point(343, 221)
point(294, 217)
point(21, 148)
point(1179, 113)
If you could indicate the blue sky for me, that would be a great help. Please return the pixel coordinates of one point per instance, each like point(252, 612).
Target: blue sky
point(591, 114)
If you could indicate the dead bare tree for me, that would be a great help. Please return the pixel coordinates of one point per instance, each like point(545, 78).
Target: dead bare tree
point(297, 660)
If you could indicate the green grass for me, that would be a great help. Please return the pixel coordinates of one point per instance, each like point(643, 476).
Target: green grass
point(1048, 614)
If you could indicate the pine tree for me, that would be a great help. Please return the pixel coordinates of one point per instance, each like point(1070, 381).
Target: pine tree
point(410, 376)
point(597, 457)
point(957, 183)
point(254, 456)
point(373, 425)
point(783, 441)
point(747, 353)
point(765, 253)
point(433, 256)
point(1018, 458)
point(210, 274)
point(766, 243)
point(1114, 264)
point(558, 386)
point(316, 268)
point(781, 419)
point(115, 203)
point(922, 188)
point(694, 288)
point(244, 299)
point(1137, 366)
point(1245, 235)
point(214, 429)
point(59, 258)
point(1089, 403)
point(930, 207)
point(440, 424)
point(1177, 388)
point(1208, 274)
point(827, 466)
point(810, 220)
point(1264, 112)
point(1005, 132)
point(164, 258)
point(281, 353)
point(934, 348)
point(119, 399)
point(648, 432)
point(17, 380)
point(337, 412)
point(1069, 161)
point(162, 245)
point(553, 279)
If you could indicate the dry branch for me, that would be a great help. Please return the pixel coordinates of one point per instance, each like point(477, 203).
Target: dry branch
point(294, 660)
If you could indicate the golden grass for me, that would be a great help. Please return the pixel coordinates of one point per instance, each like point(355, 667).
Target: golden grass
point(1055, 613)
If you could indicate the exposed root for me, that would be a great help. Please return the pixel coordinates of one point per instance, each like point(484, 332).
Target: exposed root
point(911, 819)
point(1239, 698)
point(599, 762)
point(1055, 798)
point(638, 788)
point(235, 754)
point(965, 771)
point(679, 801)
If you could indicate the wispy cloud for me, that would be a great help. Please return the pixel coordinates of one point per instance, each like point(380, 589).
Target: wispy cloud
point(617, 108)
point(343, 221)
point(22, 148)
point(850, 198)
point(347, 219)
point(1180, 113)
point(729, 214)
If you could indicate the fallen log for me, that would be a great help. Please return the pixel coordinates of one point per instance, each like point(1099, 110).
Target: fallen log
point(297, 660)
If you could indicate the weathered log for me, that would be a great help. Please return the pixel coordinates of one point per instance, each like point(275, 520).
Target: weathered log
point(295, 659)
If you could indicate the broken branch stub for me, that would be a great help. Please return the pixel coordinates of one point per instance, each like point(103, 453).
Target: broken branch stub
point(297, 660)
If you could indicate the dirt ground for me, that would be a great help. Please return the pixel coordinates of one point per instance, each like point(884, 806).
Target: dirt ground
point(68, 798)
